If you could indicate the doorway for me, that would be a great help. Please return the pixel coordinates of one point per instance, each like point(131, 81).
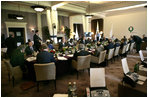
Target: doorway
point(19, 35)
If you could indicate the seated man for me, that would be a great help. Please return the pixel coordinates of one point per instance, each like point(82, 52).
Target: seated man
point(81, 53)
point(49, 44)
point(123, 43)
point(117, 43)
point(29, 49)
point(17, 58)
point(109, 46)
point(44, 56)
point(98, 49)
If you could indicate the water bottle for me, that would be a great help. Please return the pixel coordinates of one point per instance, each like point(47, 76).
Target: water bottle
point(69, 89)
point(136, 68)
point(74, 88)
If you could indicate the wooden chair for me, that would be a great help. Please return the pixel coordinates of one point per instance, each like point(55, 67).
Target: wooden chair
point(45, 72)
point(83, 62)
point(100, 58)
point(13, 72)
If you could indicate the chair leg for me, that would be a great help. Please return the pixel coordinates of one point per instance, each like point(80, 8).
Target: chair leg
point(77, 75)
point(13, 81)
point(88, 71)
point(38, 86)
point(9, 76)
point(55, 84)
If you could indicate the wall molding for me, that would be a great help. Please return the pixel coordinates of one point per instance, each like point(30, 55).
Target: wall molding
point(16, 25)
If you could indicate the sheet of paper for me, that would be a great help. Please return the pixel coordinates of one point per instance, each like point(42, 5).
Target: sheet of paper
point(97, 77)
point(62, 58)
point(140, 82)
point(31, 59)
point(142, 78)
point(60, 95)
point(142, 68)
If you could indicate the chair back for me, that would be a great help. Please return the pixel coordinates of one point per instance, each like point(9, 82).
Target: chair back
point(8, 66)
point(127, 48)
point(102, 56)
point(117, 51)
point(83, 62)
point(124, 49)
point(110, 54)
point(13, 71)
point(45, 71)
point(132, 46)
point(125, 65)
point(141, 55)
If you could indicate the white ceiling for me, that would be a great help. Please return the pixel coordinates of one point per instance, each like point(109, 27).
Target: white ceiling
point(78, 7)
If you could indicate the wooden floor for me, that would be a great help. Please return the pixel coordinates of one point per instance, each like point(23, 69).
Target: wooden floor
point(113, 71)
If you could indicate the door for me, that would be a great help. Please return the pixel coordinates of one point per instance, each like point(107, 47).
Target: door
point(19, 35)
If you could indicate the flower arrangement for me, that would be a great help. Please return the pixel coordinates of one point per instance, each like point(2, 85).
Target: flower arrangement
point(52, 51)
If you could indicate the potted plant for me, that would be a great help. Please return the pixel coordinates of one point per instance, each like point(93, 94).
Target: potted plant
point(67, 32)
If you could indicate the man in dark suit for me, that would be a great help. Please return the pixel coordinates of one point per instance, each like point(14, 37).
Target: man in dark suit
point(117, 43)
point(109, 46)
point(44, 56)
point(11, 44)
point(29, 49)
point(62, 44)
point(37, 40)
point(81, 53)
point(138, 42)
point(17, 58)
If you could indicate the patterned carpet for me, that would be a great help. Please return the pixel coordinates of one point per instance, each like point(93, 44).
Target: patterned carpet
point(113, 71)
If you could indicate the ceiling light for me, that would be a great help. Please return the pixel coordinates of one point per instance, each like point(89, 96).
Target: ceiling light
point(89, 15)
point(38, 8)
point(19, 17)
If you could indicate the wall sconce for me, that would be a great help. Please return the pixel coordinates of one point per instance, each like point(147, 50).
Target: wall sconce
point(33, 30)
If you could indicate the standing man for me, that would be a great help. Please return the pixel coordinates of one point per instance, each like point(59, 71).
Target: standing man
point(11, 44)
point(138, 42)
point(37, 40)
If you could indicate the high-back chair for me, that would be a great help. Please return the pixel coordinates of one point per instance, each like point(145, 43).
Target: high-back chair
point(116, 53)
point(83, 62)
point(100, 58)
point(44, 72)
point(132, 47)
point(110, 55)
point(13, 72)
point(127, 48)
point(123, 51)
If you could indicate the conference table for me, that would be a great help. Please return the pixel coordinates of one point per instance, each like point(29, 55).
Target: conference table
point(63, 65)
point(125, 90)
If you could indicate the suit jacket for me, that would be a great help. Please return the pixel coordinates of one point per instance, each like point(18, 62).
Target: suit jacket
point(117, 44)
point(36, 40)
point(11, 44)
point(109, 46)
point(45, 57)
point(81, 53)
point(29, 51)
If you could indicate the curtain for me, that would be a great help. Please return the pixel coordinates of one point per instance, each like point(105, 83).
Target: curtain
point(80, 29)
